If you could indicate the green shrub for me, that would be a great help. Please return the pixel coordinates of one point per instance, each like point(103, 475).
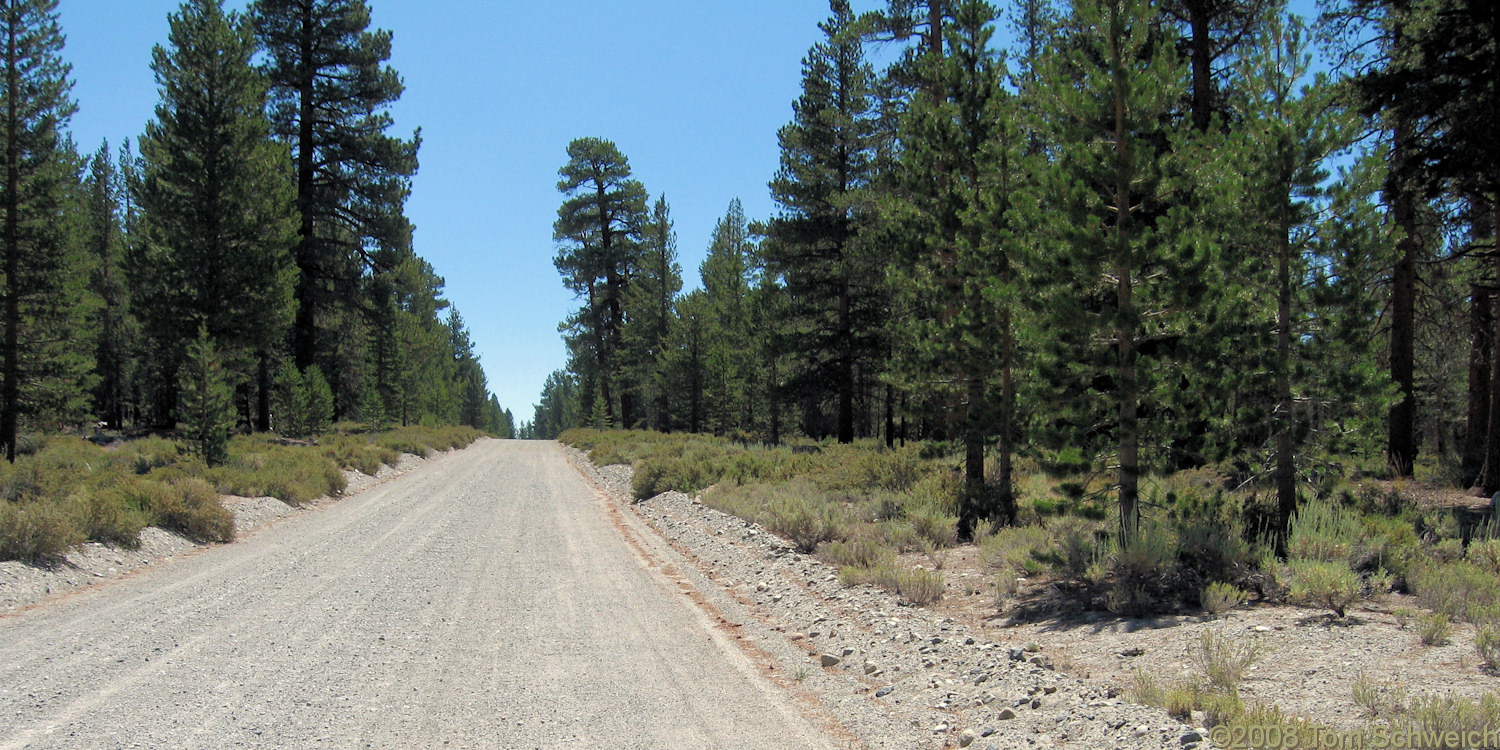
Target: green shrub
point(1075, 547)
point(1487, 645)
point(1323, 531)
point(1486, 554)
point(1434, 629)
point(36, 531)
point(806, 522)
point(1436, 716)
point(933, 524)
point(188, 505)
point(859, 553)
point(1455, 588)
point(1138, 568)
point(107, 517)
point(1330, 585)
point(1221, 708)
point(1018, 549)
point(1219, 597)
point(358, 453)
point(1211, 538)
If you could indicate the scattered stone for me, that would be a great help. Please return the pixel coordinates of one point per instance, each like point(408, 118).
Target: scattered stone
point(1132, 651)
point(870, 667)
point(1191, 738)
point(1006, 714)
point(883, 692)
point(966, 738)
point(830, 660)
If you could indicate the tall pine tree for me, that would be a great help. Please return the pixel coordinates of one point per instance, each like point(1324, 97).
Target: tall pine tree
point(834, 283)
point(598, 232)
point(43, 359)
point(216, 195)
point(331, 92)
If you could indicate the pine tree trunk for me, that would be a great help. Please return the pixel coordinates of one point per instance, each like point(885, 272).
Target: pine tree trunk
point(1005, 494)
point(10, 392)
point(1481, 336)
point(1202, 61)
point(973, 458)
point(846, 370)
point(1490, 476)
point(1402, 450)
point(305, 327)
point(890, 416)
point(1128, 388)
point(263, 400)
point(1286, 487)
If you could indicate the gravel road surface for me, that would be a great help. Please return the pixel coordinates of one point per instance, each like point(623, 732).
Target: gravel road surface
point(487, 599)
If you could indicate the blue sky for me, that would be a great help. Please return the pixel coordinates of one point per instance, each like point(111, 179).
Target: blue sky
point(692, 91)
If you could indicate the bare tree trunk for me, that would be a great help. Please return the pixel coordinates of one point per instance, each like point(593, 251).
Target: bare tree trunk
point(1286, 477)
point(974, 491)
point(1402, 450)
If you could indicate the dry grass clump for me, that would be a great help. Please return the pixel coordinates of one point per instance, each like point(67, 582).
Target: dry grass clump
point(920, 586)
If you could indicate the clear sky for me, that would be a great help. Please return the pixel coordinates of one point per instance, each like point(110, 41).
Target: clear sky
point(692, 91)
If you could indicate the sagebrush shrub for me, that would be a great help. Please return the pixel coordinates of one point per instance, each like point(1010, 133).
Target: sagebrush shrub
point(36, 531)
point(1327, 584)
point(1434, 629)
point(1324, 531)
point(1487, 644)
point(1224, 659)
point(919, 585)
point(1219, 597)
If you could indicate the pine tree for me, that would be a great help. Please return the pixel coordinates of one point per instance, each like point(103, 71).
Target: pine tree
point(648, 319)
point(43, 357)
point(1120, 259)
point(834, 281)
point(687, 346)
point(1279, 149)
point(728, 372)
point(598, 232)
point(289, 401)
point(331, 92)
point(113, 323)
point(207, 400)
point(216, 197)
point(959, 177)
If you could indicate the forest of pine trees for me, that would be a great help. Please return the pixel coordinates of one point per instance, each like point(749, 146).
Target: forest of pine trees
point(250, 260)
point(1156, 235)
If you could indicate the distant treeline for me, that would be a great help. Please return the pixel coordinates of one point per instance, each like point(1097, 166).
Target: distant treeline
point(1145, 237)
point(264, 208)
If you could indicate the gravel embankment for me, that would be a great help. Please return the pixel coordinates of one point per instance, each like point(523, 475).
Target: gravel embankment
point(892, 675)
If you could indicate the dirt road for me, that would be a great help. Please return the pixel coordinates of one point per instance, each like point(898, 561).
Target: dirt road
point(484, 600)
